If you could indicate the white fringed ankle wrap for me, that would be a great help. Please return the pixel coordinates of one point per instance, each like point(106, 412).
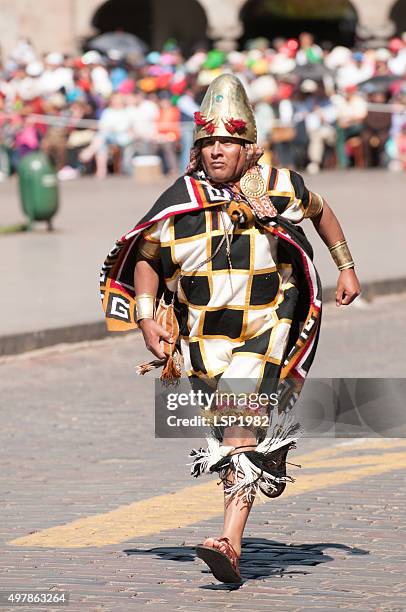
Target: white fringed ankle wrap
point(245, 472)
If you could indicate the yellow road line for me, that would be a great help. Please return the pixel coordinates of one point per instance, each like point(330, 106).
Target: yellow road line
point(201, 502)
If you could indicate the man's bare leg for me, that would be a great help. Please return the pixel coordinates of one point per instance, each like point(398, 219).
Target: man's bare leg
point(236, 511)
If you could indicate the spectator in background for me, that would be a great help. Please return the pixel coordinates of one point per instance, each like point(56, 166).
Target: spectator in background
point(320, 127)
point(168, 132)
point(143, 113)
point(54, 141)
point(308, 52)
point(29, 86)
point(27, 81)
point(397, 60)
point(26, 139)
point(24, 52)
point(114, 129)
point(262, 93)
point(382, 57)
point(303, 105)
point(79, 138)
point(99, 75)
point(56, 74)
point(118, 74)
point(10, 86)
point(265, 120)
point(375, 131)
point(356, 69)
point(187, 107)
point(398, 121)
point(351, 111)
point(284, 131)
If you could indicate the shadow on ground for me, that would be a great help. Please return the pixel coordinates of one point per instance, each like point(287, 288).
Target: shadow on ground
point(260, 558)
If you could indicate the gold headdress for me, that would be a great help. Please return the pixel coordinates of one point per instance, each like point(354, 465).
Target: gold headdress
point(226, 111)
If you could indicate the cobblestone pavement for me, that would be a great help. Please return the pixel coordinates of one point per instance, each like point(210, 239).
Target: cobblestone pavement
point(92, 503)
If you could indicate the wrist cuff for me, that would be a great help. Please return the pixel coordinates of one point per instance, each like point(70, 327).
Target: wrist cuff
point(341, 255)
point(145, 305)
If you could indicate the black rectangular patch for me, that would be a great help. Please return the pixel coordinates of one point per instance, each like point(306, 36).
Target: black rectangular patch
point(258, 345)
point(168, 266)
point(223, 322)
point(239, 253)
point(190, 224)
point(264, 288)
point(196, 289)
point(196, 358)
point(280, 202)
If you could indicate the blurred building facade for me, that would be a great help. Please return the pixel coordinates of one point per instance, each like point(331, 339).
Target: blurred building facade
point(66, 24)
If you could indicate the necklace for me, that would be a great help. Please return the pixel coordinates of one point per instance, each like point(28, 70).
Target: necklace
point(261, 205)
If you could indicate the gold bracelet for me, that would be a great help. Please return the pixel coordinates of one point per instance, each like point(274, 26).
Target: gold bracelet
point(341, 255)
point(145, 303)
point(149, 249)
point(315, 205)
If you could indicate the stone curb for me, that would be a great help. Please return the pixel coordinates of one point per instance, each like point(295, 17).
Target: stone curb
point(29, 341)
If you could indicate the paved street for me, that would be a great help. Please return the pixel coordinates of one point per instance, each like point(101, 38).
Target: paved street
point(51, 280)
point(92, 503)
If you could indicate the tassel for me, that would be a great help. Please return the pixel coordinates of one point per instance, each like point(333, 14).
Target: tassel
point(233, 126)
point(172, 369)
point(210, 127)
point(200, 119)
point(200, 461)
point(147, 366)
point(203, 459)
point(207, 124)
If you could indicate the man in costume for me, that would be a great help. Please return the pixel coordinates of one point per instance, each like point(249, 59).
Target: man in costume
point(239, 297)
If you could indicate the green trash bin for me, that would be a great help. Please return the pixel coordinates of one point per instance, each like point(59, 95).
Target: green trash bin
point(38, 188)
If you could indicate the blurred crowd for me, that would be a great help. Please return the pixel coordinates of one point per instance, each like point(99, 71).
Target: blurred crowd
point(317, 105)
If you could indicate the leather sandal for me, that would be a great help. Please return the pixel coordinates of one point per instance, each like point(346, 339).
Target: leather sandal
point(224, 566)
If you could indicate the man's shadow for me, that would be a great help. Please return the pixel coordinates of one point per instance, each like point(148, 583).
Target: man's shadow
point(261, 558)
